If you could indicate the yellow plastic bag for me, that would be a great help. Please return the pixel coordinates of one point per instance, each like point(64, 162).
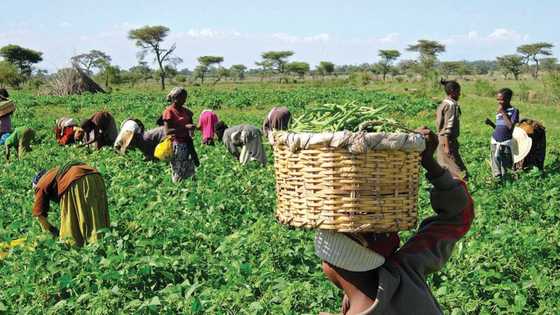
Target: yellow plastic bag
point(164, 150)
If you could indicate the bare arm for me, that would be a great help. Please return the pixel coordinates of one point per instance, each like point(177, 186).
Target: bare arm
point(47, 226)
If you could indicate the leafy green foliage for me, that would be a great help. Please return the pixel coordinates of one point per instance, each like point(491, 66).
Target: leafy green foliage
point(212, 246)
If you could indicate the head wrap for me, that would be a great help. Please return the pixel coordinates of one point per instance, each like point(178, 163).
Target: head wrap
point(38, 177)
point(175, 93)
point(339, 250)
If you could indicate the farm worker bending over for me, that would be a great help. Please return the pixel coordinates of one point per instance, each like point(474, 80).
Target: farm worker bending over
point(206, 124)
point(64, 130)
point(128, 128)
point(447, 128)
point(501, 142)
point(248, 139)
point(278, 119)
point(80, 190)
point(378, 278)
point(144, 141)
point(178, 124)
point(5, 118)
point(20, 140)
point(99, 130)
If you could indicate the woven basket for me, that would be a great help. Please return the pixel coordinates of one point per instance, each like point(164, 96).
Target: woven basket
point(325, 187)
point(6, 107)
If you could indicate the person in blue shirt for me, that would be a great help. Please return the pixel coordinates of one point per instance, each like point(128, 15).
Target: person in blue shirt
point(506, 118)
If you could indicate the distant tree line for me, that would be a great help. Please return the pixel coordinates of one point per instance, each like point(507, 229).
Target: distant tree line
point(18, 64)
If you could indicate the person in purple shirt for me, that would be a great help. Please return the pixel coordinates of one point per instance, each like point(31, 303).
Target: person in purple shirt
point(506, 118)
point(6, 120)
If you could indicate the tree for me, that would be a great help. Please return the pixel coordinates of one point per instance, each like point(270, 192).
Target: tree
point(111, 74)
point(93, 59)
point(532, 51)
point(150, 38)
point(510, 64)
point(453, 67)
point(549, 64)
point(21, 57)
point(325, 68)
point(408, 67)
point(140, 72)
point(428, 51)
point(9, 75)
point(205, 63)
point(238, 71)
point(298, 67)
point(275, 60)
point(387, 59)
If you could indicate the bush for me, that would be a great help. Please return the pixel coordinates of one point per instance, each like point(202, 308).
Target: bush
point(484, 88)
point(181, 78)
point(552, 88)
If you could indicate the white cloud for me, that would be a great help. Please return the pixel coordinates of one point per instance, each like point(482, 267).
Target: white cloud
point(505, 34)
point(390, 38)
point(292, 39)
point(64, 24)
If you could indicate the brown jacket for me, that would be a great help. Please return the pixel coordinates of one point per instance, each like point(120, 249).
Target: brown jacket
point(447, 118)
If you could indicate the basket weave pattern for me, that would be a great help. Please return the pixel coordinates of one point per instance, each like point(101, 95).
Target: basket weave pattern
point(330, 188)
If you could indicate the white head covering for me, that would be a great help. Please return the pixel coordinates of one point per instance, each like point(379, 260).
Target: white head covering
point(339, 250)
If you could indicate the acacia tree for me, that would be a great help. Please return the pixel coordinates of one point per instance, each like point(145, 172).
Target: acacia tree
point(532, 51)
point(9, 75)
point(387, 59)
point(325, 68)
point(510, 64)
point(276, 60)
point(94, 59)
point(428, 50)
point(205, 62)
point(298, 67)
point(21, 57)
point(150, 38)
point(238, 71)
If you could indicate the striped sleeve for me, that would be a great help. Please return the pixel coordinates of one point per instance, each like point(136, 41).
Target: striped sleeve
point(428, 250)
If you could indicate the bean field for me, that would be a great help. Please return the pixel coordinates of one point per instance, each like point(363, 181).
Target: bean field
point(213, 246)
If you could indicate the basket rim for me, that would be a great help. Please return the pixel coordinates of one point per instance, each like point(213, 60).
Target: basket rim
point(354, 142)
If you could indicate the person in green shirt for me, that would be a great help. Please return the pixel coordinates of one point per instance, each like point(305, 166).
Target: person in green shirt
point(20, 140)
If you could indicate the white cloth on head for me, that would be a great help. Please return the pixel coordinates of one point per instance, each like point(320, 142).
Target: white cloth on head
point(339, 250)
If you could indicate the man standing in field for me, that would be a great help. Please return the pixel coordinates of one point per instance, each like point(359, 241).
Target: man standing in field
point(447, 128)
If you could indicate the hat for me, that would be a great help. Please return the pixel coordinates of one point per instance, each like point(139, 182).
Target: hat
point(521, 144)
point(339, 250)
point(38, 177)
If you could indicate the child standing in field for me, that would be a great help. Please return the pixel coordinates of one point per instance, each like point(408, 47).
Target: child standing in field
point(506, 118)
point(448, 129)
point(378, 278)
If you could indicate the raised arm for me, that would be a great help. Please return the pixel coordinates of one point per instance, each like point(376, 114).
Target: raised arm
point(428, 250)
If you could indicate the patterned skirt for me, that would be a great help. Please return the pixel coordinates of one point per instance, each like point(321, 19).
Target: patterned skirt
point(182, 166)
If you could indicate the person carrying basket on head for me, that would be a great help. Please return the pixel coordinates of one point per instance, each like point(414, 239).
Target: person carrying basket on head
point(377, 276)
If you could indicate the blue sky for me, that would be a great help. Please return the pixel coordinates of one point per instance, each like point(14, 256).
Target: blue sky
point(345, 32)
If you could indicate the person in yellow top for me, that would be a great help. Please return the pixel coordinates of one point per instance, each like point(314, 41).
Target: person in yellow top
point(81, 193)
